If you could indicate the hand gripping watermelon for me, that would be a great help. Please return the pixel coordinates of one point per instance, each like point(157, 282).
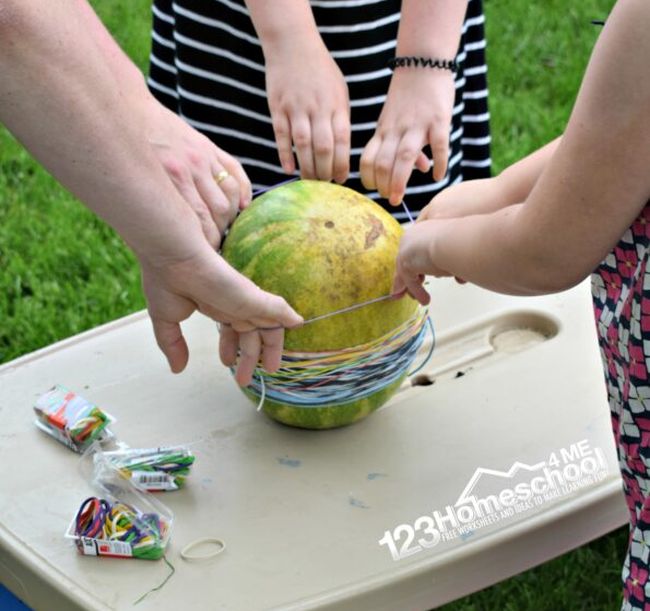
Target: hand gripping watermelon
point(323, 247)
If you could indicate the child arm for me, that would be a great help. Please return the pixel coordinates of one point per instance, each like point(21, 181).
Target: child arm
point(307, 94)
point(481, 196)
point(590, 192)
point(420, 100)
point(59, 97)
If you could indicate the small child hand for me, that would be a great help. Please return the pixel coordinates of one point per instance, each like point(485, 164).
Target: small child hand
point(414, 261)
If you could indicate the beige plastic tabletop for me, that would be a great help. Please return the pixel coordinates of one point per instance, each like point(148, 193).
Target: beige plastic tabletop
point(500, 458)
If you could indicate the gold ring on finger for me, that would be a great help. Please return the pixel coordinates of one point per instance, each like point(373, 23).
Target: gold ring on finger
point(221, 176)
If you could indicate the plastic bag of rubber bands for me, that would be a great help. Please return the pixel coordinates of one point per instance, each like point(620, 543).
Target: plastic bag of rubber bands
point(120, 520)
point(71, 419)
point(150, 469)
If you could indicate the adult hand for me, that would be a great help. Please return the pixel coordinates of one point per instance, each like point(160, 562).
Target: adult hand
point(417, 112)
point(250, 317)
point(308, 100)
point(212, 182)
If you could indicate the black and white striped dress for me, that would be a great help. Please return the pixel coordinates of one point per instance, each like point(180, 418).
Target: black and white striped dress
point(207, 65)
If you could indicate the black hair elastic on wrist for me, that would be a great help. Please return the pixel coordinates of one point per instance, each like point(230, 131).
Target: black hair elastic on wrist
point(406, 61)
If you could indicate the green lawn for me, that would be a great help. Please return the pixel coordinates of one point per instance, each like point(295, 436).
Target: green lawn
point(62, 271)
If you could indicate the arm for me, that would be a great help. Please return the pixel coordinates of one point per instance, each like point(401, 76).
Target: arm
point(420, 100)
point(190, 159)
point(486, 195)
point(307, 94)
point(590, 192)
point(59, 97)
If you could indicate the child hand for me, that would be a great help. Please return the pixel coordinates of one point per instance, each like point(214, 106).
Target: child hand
point(417, 112)
point(480, 196)
point(308, 100)
point(414, 260)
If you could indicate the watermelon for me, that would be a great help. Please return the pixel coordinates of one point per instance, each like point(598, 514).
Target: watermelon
point(322, 247)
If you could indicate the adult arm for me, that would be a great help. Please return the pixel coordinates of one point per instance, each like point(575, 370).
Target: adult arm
point(589, 193)
point(190, 159)
point(60, 98)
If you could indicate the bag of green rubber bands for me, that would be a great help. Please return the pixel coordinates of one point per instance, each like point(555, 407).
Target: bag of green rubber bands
point(152, 469)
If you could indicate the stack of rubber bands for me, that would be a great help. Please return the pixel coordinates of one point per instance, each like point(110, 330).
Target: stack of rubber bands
point(117, 529)
point(71, 419)
point(152, 469)
point(318, 379)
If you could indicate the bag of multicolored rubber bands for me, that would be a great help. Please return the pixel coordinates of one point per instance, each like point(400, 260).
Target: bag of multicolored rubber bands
point(79, 424)
point(71, 419)
point(152, 469)
point(120, 520)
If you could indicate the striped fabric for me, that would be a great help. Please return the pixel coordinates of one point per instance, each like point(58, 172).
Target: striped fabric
point(207, 65)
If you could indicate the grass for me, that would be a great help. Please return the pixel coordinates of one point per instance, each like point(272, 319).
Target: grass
point(62, 271)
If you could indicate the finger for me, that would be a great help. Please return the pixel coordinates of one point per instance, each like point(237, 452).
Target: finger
point(282, 131)
point(228, 340)
point(399, 286)
point(423, 163)
point(236, 170)
point(367, 163)
point(277, 311)
point(185, 185)
point(272, 344)
point(250, 347)
point(248, 306)
point(171, 342)
point(341, 163)
point(426, 214)
point(439, 142)
point(230, 188)
point(228, 184)
point(211, 228)
point(278, 315)
point(234, 319)
point(408, 151)
point(218, 197)
point(243, 326)
point(416, 290)
point(322, 148)
point(302, 140)
point(384, 163)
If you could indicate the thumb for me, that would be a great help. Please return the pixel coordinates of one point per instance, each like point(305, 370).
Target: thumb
point(172, 343)
point(399, 286)
point(439, 143)
point(277, 309)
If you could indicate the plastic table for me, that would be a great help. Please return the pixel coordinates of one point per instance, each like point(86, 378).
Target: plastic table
point(499, 457)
